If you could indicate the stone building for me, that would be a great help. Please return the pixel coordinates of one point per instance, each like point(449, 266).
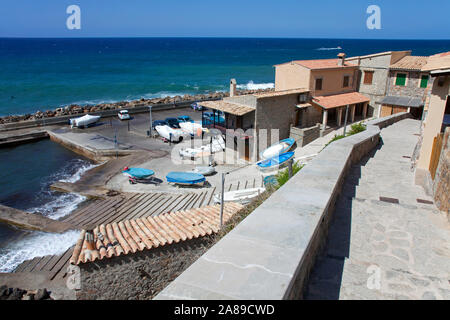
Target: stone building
point(332, 83)
point(373, 76)
point(408, 87)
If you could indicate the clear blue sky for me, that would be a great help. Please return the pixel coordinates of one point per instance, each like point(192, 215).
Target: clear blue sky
point(400, 19)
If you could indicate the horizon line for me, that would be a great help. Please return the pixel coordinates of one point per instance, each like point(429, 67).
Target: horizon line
point(221, 37)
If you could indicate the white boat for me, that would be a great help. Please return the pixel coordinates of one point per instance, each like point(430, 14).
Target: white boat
point(170, 133)
point(205, 170)
point(84, 121)
point(278, 148)
point(192, 128)
point(242, 196)
point(217, 145)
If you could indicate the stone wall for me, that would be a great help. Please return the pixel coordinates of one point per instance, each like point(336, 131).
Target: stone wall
point(441, 183)
point(412, 87)
point(138, 276)
point(303, 136)
point(270, 253)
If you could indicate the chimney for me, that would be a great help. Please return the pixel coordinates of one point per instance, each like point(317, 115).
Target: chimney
point(232, 87)
point(341, 59)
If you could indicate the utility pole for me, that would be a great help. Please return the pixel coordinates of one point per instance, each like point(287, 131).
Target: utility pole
point(151, 127)
point(222, 200)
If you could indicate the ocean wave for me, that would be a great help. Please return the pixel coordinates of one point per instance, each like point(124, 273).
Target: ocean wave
point(256, 86)
point(326, 49)
point(36, 244)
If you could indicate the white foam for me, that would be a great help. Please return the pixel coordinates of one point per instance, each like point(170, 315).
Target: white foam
point(256, 86)
point(36, 244)
point(77, 175)
point(326, 49)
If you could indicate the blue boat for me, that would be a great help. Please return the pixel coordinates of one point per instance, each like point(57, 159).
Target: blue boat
point(275, 161)
point(185, 178)
point(138, 173)
point(277, 148)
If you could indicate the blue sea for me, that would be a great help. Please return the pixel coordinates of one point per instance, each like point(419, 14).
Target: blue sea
point(38, 74)
point(41, 74)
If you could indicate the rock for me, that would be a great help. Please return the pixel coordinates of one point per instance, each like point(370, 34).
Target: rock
point(28, 297)
point(4, 291)
point(41, 294)
point(16, 294)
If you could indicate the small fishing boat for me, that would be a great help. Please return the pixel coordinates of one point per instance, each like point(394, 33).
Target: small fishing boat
point(169, 133)
point(217, 145)
point(139, 173)
point(206, 171)
point(192, 128)
point(275, 161)
point(84, 121)
point(186, 178)
point(241, 196)
point(277, 148)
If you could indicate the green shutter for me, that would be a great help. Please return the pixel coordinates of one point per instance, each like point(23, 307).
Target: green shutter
point(424, 82)
point(401, 79)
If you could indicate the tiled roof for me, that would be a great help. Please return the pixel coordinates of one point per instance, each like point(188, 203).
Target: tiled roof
point(130, 236)
point(232, 108)
point(323, 64)
point(410, 63)
point(440, 61)
point(339, 100)
point(279, 93)
point(402, 101)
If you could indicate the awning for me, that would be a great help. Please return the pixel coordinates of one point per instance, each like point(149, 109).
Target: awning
point(304, 105)
point(402, 101)
point(340, 100)
point(231, 108)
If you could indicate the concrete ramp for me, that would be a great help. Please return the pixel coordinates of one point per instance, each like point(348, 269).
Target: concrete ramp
point(32, 221)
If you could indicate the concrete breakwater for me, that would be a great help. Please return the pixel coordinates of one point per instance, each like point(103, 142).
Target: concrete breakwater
point(63, 114)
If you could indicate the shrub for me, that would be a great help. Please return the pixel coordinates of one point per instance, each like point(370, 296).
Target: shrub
point(356, 128)
point(283, 176)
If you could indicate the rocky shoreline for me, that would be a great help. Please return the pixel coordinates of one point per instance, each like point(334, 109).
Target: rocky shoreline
point(75, 109)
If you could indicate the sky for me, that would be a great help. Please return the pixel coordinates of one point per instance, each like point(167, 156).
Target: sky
point(400, 19)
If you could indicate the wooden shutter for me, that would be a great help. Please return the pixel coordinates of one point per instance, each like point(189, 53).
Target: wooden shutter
point(318, 84)
point(401, 79)
point(346, 81)
point(424, 82)
point(368, 77)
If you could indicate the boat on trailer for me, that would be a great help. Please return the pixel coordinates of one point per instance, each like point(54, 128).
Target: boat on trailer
point(84, 121)
point(280, 147)
point(276, 161)
point(186, 178)
point(205, 170)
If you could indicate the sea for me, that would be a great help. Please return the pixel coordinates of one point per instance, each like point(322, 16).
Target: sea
point(41, 74)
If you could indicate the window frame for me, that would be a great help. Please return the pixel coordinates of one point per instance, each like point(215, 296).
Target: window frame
point(366, 72)
point(343, 81)
point(406, 78)
point(420, 80)
point(321, 83)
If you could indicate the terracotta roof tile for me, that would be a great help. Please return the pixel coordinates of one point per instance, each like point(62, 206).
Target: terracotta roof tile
point(130, 236)
point(232, 108)
point(323, 64)
point(339, 100)
point(410, 63)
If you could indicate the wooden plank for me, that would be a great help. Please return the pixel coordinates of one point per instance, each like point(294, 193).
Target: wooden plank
point(246, 182)
point(62, 264)
point(124, 210)
point(21, 266)
point(102, 215)
point(148, 210)
point(87, 210)
point(183, 202)
point(165, 208)
point(42, 263)
point(175, 202)
point(157, 210)
point(189, 204)
point(146, 202)
point(31, 264)
point(210, 197)
point(230, 187)
point(79, 220)
point(239, 182)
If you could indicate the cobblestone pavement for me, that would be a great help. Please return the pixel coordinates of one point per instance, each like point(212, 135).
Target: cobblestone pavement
point(384, 250)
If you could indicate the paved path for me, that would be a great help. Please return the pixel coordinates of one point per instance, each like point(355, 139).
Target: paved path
point(382, 250)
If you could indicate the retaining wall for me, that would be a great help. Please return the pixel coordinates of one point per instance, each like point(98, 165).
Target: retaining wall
point(270, 253)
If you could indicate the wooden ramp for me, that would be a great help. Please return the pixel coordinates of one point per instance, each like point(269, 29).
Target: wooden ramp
point(136, 205)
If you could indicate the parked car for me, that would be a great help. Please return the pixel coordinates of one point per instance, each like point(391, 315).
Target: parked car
point(173, 123)
point(159, 123)
point(196, 106)
point(185, 119)
point(124, 115)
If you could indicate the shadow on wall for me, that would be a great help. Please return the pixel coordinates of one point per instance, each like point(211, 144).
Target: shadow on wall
point(326, 276)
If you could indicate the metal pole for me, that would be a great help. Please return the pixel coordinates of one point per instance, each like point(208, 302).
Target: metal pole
point(210, 151)
point(222, 199)
point(151, 127)
point(346, 116)
point(290, 163)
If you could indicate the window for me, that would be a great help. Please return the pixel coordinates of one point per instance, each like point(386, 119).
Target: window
point(401, 79)
point(424, 81)
point(346, 81)
point(319, 84)
point(368, 77)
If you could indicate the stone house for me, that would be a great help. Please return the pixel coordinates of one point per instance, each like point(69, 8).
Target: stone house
point(408, 87)
point(373, 76)
point(332, 84)
point(433, 163)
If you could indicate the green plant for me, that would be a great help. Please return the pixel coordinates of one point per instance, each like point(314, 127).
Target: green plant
point(283, 176)
point(356, 128)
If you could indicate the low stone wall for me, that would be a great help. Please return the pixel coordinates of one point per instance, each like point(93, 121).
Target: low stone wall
point(138, 276)
point(270, 253)
point(441, 183)
point(305, 135)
